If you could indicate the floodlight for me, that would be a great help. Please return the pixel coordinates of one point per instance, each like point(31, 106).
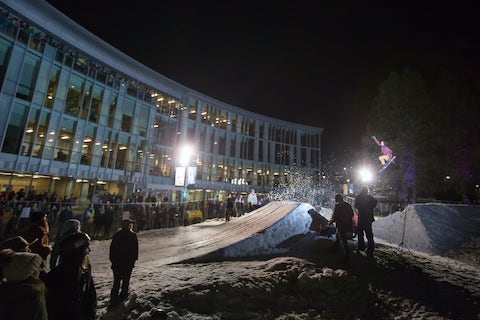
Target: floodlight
point(365, 174)
point(185, 155)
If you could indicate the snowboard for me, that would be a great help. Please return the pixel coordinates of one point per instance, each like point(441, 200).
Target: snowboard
point(386, 165)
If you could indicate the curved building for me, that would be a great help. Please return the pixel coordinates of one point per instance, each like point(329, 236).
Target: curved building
point(78, 116)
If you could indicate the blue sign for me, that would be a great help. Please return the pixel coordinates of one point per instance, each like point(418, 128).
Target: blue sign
point(184, 193)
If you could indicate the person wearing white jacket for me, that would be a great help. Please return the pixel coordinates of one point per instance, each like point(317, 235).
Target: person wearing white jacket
point(252, 200)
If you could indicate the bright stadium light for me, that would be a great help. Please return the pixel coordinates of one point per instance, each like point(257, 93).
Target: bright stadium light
point(185, 155)
point(365, 175)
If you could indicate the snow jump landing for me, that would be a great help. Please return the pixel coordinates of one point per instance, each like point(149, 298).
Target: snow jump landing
point(254, 233)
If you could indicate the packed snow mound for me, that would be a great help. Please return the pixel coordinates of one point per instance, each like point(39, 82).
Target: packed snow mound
point(296, 221)
point(254, 233)
point(431, 228)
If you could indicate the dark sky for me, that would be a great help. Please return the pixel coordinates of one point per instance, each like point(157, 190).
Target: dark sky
point(314, 62)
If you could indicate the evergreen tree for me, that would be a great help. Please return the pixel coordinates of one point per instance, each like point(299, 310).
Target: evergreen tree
point(456, 98)
point(433, 131)
point(402, 114)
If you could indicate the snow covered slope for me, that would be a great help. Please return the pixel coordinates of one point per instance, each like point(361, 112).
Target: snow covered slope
point(431, 228)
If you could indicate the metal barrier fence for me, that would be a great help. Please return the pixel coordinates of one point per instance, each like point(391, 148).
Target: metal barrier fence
point(108, 216)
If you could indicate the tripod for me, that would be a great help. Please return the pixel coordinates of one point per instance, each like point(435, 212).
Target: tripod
point(402, 243)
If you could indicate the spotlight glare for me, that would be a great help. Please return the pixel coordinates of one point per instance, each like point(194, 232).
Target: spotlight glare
point(365, 174)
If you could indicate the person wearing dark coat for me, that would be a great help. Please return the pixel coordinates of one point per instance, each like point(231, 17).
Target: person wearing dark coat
point(71, 292)
point(342, 216)
point(108, 219)
point(123, 254)
point(230, 207)
point(70, 227)
point(365, 204)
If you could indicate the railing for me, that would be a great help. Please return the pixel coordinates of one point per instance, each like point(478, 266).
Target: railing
point(147, 215)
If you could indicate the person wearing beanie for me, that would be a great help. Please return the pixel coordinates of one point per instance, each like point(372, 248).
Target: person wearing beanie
point(70, 227)
point(22, 292)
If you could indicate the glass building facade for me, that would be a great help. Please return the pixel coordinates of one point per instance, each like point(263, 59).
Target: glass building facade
point(78, 117)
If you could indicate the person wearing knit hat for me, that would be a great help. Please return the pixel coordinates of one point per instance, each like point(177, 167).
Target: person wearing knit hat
point(22, 292)
point(20, 266)
point(71, 226)
point(17, 243)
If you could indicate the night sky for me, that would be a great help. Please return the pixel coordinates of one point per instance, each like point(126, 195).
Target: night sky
point(318, 63)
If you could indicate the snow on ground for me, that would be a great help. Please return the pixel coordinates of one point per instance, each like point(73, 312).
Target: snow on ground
point(272, 267)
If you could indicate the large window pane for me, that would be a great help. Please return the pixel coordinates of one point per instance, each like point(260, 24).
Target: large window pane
point(5, 49)
point(30, 132)
point(41, 134)
point(112, 109)
point(28, 77)
point(65, 139)
point(87, 93)
point(15, 129)
point(88, 145)
point(74, 95)
point(52, 86)
point(95, 106)
point(127, 117)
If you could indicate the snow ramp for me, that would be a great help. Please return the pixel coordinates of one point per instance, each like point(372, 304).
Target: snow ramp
point(433, 228)
point(256, 232)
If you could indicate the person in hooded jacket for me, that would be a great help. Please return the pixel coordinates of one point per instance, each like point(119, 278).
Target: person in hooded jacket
point(123, 255)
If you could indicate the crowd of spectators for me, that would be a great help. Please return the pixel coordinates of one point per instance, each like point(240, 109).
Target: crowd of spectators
point(45, 281)
point(103, 214)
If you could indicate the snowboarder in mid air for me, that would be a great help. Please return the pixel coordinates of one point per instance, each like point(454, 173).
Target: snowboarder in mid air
point(387, 155)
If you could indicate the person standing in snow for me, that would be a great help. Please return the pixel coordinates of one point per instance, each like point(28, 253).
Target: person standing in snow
point(88, 218)
point(342, 216)
point(239, 205)
point(387, 153)
point(69, 227)
point(123, 254)
point(252, 200)
point(71, 292)
point(230, 207)
point(365, 204)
